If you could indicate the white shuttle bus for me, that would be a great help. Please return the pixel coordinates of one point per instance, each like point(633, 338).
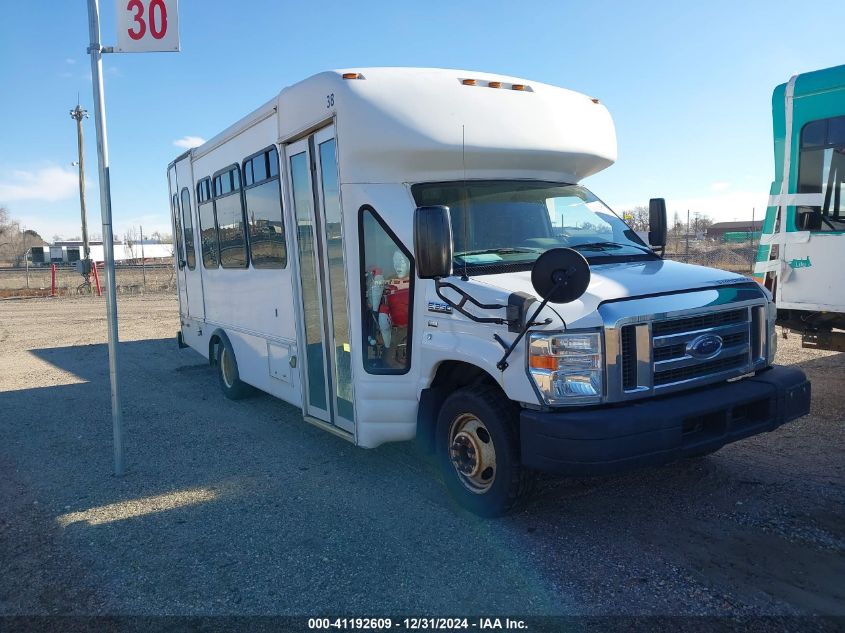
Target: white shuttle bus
point(407, 253)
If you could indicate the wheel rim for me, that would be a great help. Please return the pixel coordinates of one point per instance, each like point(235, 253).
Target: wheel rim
point(227, 368)
point(472, 453)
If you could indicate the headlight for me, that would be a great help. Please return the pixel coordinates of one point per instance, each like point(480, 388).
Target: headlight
point(567, 368)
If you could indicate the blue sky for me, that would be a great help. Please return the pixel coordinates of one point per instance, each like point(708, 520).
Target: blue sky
point(688, 83)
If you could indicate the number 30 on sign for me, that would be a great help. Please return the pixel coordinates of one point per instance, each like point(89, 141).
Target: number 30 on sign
point(145, 26)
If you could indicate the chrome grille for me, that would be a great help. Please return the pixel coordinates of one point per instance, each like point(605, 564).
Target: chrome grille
point(651, 348)
point(671, 340)
point(699, 322)
point(679, 374)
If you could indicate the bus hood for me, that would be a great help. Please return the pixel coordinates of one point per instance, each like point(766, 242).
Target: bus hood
point(618, 281)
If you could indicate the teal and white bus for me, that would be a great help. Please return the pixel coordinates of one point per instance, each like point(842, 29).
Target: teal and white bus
point(802, 247)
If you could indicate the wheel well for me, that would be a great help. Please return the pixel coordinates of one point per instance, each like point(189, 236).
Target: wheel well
point(450, 376)
point(217, 337)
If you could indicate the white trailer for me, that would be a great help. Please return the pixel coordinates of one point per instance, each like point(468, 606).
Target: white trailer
point(316, 241)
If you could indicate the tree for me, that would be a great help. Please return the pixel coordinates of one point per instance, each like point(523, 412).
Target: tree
point(14, 243)
point(637, 218)
point(700, 223)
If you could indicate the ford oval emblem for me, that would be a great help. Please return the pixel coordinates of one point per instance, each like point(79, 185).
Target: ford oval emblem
point(705, 346)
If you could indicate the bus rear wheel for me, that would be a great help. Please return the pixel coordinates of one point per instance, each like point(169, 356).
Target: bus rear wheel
point(227, 371)
point(478, 450)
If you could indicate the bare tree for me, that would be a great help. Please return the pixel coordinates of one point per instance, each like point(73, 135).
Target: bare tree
point(637, 218)
point(14, 243)
point(700, 223)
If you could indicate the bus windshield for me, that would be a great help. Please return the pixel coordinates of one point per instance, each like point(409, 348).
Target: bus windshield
point(513, 222)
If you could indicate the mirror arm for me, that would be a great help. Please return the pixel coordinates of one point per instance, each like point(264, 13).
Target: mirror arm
point(466, 297)
point(502, 365)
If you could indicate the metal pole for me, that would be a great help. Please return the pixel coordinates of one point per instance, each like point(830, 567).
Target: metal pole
point(95, 50)
point(26, 259)
point(143, 260)
point(687, 258)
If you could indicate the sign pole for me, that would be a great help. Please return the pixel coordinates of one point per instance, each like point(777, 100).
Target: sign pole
point(96, 50)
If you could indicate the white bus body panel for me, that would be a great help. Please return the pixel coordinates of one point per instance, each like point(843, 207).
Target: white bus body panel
point(810, 274)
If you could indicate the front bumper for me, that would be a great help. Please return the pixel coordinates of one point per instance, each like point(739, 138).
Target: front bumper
point(610, 439)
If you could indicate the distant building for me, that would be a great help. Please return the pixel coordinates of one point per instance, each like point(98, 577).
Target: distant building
point(718, 230)
point(68, 252)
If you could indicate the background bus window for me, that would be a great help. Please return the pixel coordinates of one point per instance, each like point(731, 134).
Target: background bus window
point(821, 169)
point(208, 229)
point(188, 228)
point(387, 288)
point(230, 219)
point(262, 194)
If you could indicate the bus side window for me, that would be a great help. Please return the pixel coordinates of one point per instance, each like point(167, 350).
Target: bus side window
point(387, 287)
point(188, 228)
point(208, 228)
point(821, 169)
point(263, 197)
point(229, 213)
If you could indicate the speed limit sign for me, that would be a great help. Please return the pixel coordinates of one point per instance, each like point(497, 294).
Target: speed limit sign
point(145, 26)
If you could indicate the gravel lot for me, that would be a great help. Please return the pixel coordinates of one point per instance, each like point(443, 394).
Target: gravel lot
point(242, 508)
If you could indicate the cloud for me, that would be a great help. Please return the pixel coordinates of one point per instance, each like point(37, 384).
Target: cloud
point(187, 142)
point(70, 60)
point(48, 184)
point(720, 186)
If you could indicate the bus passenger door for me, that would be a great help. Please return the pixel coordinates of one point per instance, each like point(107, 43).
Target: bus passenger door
point(324, 317)
point(190, 276)
point(179, 246)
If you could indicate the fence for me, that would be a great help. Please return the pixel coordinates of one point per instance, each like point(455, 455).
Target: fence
point(129, 278)
point(736, 255)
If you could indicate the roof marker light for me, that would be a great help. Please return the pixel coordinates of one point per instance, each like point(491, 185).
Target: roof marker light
point(352, 76)
point(494, 84)
point(518, 87)
point(468, 82)
point(594, 100)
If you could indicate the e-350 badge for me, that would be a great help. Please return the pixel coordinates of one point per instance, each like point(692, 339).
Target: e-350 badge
point(442, 308)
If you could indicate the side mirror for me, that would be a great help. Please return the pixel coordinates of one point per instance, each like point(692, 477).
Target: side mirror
point(657, 222)
point(560, 275)
point(433, 242)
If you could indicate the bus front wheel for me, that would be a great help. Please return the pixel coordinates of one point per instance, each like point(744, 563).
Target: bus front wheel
point(478, 450)
point(227, 371)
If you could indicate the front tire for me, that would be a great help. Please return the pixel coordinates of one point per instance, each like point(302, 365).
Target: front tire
point(478, 450)
point(227, 372)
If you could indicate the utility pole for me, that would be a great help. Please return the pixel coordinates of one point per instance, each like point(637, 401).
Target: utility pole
point(78, 114)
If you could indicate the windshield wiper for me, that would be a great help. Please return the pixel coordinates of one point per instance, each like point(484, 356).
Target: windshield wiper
point(499, 251)
point(600, 246)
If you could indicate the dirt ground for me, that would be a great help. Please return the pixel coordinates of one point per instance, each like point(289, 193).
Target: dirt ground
point(242, 508)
